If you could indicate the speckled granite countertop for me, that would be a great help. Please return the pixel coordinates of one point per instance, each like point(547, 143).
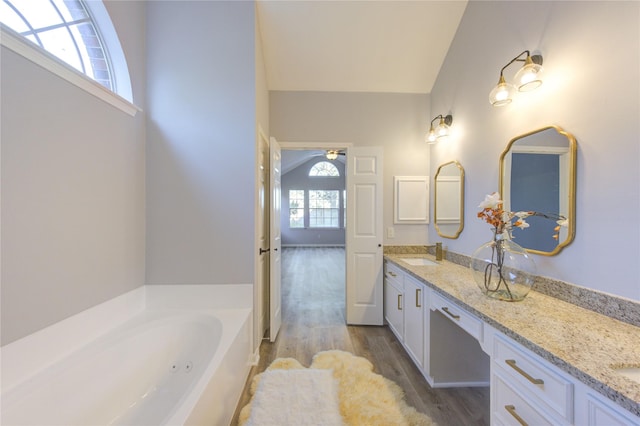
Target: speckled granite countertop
point(579, 341)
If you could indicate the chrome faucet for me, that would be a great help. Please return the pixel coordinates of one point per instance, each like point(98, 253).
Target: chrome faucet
point(438, 251)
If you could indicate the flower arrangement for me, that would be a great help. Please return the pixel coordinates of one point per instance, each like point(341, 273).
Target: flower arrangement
point(502, 269)
point(504, 221)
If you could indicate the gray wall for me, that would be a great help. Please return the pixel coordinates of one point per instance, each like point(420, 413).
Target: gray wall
point(591, 57)
point(201, 142)
point(298, 178)
point(396, 122)
point(72, 177)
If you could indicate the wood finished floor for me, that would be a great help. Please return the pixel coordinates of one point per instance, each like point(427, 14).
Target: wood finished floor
point(313, 320)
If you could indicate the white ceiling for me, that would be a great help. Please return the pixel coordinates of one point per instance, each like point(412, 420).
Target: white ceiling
point(391, 46)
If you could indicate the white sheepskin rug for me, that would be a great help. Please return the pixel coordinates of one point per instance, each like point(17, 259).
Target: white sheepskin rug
point(363, 397)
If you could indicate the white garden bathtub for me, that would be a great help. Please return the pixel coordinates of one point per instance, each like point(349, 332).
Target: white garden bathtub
point(160, 367)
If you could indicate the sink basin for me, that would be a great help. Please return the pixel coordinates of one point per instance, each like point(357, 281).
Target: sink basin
point(418, 261)
point(629, 371)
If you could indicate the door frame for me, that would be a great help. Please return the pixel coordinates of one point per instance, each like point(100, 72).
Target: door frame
point(275, 238)
point(261, 284)
point(311, 146)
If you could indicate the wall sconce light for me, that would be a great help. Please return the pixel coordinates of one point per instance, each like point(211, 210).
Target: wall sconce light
point(527, 78)
point(441, 131)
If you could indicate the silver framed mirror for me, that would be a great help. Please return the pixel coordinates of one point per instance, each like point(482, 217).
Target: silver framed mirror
point(448, 208)
point(538, 173)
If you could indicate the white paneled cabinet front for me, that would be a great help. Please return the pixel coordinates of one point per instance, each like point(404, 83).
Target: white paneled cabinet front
point(404, 302)
point(414, 319)
point(393, 303)
point(545, 385)
point(593, 409)
point(526, 389)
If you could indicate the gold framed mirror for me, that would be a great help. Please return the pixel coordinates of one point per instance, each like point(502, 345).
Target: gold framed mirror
point(538, 173)
point(448, 208)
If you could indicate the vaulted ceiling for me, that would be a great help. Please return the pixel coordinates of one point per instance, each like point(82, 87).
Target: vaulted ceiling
point(387, 46)
point(379, 46)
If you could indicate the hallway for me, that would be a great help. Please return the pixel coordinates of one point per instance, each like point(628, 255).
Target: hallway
point(313, 320)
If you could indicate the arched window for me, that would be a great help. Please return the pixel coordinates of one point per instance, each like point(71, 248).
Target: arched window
point(324, 169)
point(78, 32)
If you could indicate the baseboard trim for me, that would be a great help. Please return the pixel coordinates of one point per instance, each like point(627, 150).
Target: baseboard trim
point(312, 245)
point(254, 358)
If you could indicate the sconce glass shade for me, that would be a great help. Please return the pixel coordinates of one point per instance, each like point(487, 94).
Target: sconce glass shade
point(432, 137)
point(529, 76)
point(442, 131)
point(502, 94)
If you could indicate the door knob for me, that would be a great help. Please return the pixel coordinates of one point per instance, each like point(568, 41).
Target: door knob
point(263, 251)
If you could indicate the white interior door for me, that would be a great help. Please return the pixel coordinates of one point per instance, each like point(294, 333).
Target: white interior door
point(275, 297)
point(261, 293)
point(364, 236)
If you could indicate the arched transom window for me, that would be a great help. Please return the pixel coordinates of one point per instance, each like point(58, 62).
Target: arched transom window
point(324, 169)
point(66, 29)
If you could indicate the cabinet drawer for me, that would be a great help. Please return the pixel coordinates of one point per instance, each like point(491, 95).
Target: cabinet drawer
point(464, 319)
point(511, 408)
point(393, 273)
point(535, 375)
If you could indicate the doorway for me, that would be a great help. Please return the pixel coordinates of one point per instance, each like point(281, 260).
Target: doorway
point(313, 221)
point(363, 230)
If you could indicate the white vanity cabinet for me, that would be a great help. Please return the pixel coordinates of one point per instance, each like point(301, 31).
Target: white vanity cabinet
point(593, 409)
point(453, 347)
point(393, 299)
point(441, 338)
point(414, 319)
point(404, 298)
point(526, 389)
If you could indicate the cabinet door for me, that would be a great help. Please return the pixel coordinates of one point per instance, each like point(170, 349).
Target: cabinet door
point(605, 414)
point(414, 319)
point(393, 308)
point(593, 409)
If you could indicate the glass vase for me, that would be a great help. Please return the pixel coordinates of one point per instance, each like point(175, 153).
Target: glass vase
point(503, 270)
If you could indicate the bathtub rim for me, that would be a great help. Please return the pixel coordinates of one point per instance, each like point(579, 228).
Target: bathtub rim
point(146, 321)
point(26, 357)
